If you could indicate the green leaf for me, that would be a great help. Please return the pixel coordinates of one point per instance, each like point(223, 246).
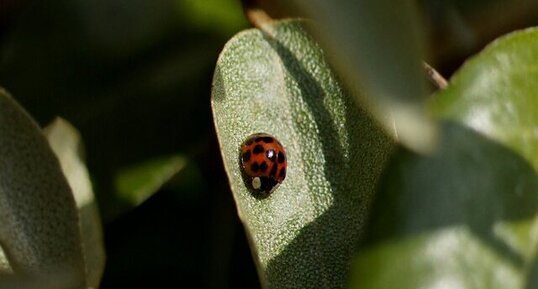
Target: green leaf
point(39, 230)
point(303, 234)
point(377, 47)
point(66, 143)
point(137, 183)
point(495, 93)
point(455, 216)
point(465, 216)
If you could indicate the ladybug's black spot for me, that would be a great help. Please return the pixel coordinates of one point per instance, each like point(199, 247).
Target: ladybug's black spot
point(246, 156)
point(263, 167)
point(273, 170)
point(282, 173)
point(258, 139)
point(258, 149)
point(267, 139)
point(270, 154)
point(254, 167)
point(281, 157)
point(267, 184)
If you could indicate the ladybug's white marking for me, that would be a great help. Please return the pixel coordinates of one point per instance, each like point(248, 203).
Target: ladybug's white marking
point(270, 154)
point(256, 183)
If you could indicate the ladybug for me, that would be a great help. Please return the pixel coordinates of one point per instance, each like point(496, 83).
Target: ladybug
point(263, 161)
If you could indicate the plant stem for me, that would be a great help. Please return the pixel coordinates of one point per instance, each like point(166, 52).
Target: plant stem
point(255, 15)
point(435, 77)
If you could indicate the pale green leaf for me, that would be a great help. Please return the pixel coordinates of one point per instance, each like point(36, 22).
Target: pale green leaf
point(303, 234)
point(66, 143)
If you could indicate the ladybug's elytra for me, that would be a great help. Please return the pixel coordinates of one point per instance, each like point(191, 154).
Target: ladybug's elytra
point(263, 161)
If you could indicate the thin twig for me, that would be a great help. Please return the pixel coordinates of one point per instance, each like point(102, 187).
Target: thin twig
point(435, 77)
point(255, 15)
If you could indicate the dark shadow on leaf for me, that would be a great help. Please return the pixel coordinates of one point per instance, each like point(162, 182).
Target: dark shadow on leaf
point(323, 249)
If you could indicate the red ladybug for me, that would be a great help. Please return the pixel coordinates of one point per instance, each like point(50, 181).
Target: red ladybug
point(263, 161)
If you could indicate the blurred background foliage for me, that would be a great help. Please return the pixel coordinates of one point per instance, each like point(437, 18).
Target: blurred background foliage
point(134, 76)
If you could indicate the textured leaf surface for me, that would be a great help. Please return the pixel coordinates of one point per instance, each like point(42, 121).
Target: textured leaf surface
point(302, 234)
point(66, 143)
point(39, 224)
point(466, 216)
